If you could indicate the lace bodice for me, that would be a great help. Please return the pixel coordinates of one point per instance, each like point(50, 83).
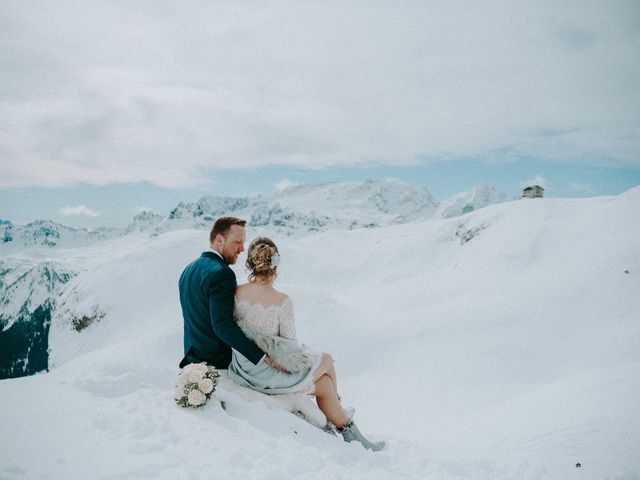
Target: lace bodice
point(272, 320)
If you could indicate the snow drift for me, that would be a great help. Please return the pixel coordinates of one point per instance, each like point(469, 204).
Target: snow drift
point(504, 343)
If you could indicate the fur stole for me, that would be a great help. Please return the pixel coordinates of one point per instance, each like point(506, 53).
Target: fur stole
point(285, 351)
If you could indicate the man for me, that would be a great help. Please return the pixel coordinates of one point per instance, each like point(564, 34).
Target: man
point(207, 286)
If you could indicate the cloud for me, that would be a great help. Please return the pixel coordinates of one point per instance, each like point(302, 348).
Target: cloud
point(104, 94)
point(78, 211)
point(284, 184)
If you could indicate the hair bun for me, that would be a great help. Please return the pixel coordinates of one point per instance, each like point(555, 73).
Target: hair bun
point(262, 258)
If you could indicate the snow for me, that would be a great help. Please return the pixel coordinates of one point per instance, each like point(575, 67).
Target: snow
point(479, 196)
point(383, 202)
point(25, 285)
point(299, 209)
point(502, 344)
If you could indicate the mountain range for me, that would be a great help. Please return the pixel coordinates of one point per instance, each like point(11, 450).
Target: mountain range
point(297, 210)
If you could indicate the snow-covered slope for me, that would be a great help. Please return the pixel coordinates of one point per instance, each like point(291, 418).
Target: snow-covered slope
point(503, 344)
point(27, 287)
point(26, 284)
point(479, 196)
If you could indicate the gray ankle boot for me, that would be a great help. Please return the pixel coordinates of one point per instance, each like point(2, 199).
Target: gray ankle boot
point(350, 433)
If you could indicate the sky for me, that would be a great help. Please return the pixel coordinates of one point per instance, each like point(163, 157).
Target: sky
point(110, 108)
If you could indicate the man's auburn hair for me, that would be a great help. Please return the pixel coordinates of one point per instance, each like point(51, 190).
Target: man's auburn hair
point(223, 225)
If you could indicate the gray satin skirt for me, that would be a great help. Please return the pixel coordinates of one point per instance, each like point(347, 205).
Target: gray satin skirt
point(266, 379)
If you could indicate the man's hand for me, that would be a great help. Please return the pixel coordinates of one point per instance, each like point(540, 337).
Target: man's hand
point(272, 363)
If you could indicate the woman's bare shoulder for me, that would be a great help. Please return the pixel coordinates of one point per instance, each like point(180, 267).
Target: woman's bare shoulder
point(242, 290)
point(279, 298)
point(283, 298)
point(248, 292)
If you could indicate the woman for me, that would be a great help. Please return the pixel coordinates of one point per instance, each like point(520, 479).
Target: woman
point(263, 311)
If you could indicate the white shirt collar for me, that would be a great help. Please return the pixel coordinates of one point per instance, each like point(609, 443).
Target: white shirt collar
point(215, 251)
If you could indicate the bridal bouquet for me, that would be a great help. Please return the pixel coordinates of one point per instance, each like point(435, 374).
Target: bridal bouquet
point(195, 384)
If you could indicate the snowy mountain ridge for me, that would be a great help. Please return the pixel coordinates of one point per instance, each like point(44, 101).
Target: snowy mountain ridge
point(25, 285)
point(310, 208)
point(49, 234)
point(479, 196)
point(297, 210)
point(28, 290)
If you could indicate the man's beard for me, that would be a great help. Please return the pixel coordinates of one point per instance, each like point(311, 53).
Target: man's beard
point(230, 259)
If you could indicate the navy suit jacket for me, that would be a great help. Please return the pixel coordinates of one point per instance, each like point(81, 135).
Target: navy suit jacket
point(207, 287)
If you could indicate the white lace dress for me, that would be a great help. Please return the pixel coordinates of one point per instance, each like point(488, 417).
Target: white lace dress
point(274, 320)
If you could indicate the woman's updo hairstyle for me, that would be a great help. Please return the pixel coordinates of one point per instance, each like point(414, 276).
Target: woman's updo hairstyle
point(262, 259)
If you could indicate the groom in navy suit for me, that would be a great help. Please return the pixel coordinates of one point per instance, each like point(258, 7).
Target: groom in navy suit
point(207, 287)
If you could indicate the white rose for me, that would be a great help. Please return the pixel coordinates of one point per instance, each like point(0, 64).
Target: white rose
point(195, 376)
point(205, 385)
point(200, 367)
point(196, 398)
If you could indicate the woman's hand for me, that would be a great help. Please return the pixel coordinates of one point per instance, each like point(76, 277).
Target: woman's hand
point(272, 363)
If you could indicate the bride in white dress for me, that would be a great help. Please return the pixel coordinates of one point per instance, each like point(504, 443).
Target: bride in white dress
point(261, 309)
